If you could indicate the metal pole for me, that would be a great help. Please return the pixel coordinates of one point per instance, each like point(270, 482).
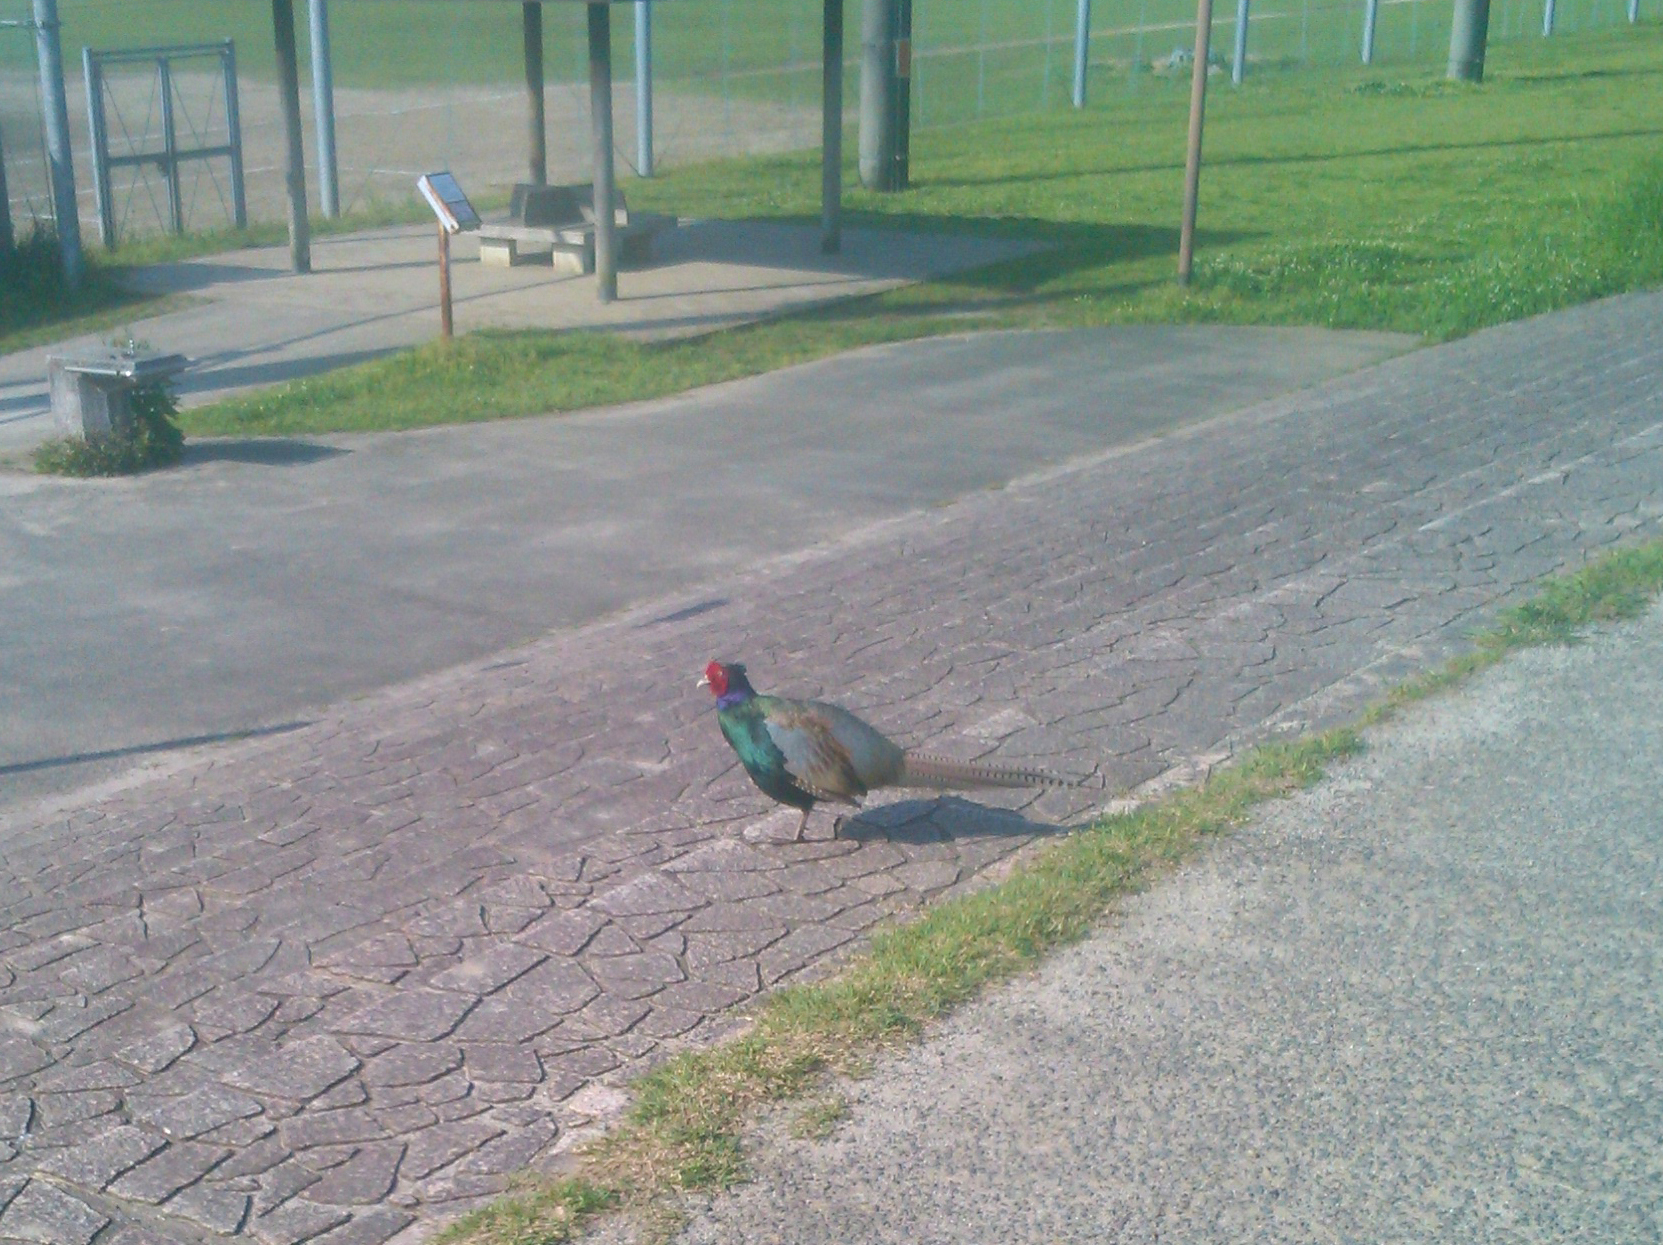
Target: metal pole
point(323, 108)
point(877, 94)
point(446, 327)
point(600, 110)
point(1082, 50)
point(234, 135)
point(1467, 36)
point(1633, 11)
point(8, 239)
point(1547, 18)
point(1371, 11)
point(66, 215)
point(294, 167)
point(170, 149)
point(1238, 62)
point(643, 88)
point(92, 74)
point(537, 143)
point(903, 93)
point(831, 127)
point(1192, 162)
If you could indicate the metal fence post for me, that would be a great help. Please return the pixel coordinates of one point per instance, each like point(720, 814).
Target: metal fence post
point(1238, 62)
point(1633, 11)
point(1371, 12)
point(1082, 50)
point(170, 149)
point(1547, 18)
point(8, 239)
point(93, 74)
point(323, 108)
point(234, 134)
point(831, 127)
point(643, 88)
point(66, 215)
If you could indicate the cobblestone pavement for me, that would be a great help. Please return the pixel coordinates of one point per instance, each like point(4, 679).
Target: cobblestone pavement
point(336, 984)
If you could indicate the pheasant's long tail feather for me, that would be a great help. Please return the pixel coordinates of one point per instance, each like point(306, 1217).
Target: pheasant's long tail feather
point(921, 769)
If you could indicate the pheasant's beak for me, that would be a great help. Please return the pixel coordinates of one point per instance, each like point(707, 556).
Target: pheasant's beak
point(704, 681)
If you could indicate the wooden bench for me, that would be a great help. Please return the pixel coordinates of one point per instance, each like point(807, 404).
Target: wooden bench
point(556, 224)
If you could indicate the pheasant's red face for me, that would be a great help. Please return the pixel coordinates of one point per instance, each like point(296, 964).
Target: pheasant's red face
point(716, 677)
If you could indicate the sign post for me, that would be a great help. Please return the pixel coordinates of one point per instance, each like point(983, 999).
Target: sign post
point(455, 214)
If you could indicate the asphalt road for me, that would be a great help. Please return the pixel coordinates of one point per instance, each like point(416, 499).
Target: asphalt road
point(1422, 1002)
point(267, 578)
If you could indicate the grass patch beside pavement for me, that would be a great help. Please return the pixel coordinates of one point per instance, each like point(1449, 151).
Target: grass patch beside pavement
point(685, 1128)
point(1340, 198)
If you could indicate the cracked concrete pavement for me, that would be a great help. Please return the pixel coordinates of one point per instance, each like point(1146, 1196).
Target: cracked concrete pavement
point(338, 983)
point(1416, 1003)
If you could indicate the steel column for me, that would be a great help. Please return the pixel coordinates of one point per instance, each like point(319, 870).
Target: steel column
point(66, 214)
point(323, 108)
point(831, 127)
point(600, 110)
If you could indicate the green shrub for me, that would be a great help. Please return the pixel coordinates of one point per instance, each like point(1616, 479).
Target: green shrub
point(154, 440)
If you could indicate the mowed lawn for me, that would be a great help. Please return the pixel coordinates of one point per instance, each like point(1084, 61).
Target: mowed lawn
point(1354, 199)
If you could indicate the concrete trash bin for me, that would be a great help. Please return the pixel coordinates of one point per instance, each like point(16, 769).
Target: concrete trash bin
point(91, 391)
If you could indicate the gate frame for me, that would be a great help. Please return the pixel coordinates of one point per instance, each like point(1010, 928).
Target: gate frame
point(170, 157)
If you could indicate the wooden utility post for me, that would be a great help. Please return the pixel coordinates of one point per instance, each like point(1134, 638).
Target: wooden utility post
point(294, 168)
point(537, 143)
point(446, 325)
point(1192, 162)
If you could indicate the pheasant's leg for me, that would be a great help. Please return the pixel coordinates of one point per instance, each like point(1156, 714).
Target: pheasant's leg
point(801, 827)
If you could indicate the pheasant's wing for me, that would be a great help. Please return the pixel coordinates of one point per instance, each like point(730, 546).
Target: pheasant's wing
point(816, 759)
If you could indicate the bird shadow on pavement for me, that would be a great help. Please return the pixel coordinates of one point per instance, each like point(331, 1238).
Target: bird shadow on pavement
point(937, 819)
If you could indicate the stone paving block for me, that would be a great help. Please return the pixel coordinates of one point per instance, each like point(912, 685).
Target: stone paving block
point(45, 1213)
point(363, 1180)
point(330, 1128)
point(97, 1162)
point(487, 973)
point(197, 1112)
point(433, 1148)
point(182, 1163)
point(297, 1072)
point(218, 1210)
point(296, 1221)
point(369, 1228)
point(499, 1061)
point(410, 1016)
point(412, 1064)
point(563, 933)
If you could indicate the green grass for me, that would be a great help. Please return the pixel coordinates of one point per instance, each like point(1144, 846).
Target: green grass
point(1348, 200)
point(685, 1127)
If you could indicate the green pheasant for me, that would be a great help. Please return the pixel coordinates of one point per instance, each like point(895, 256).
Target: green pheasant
point(803, 752)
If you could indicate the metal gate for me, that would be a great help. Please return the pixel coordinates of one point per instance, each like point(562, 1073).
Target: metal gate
point(148, 133)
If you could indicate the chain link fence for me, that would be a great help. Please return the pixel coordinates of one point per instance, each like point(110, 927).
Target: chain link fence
point(427, 84)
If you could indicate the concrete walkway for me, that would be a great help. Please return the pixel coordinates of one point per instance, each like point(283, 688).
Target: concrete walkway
point(249, 321)
point(267, 578)
point(337, 983)
point(1419, 1003)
